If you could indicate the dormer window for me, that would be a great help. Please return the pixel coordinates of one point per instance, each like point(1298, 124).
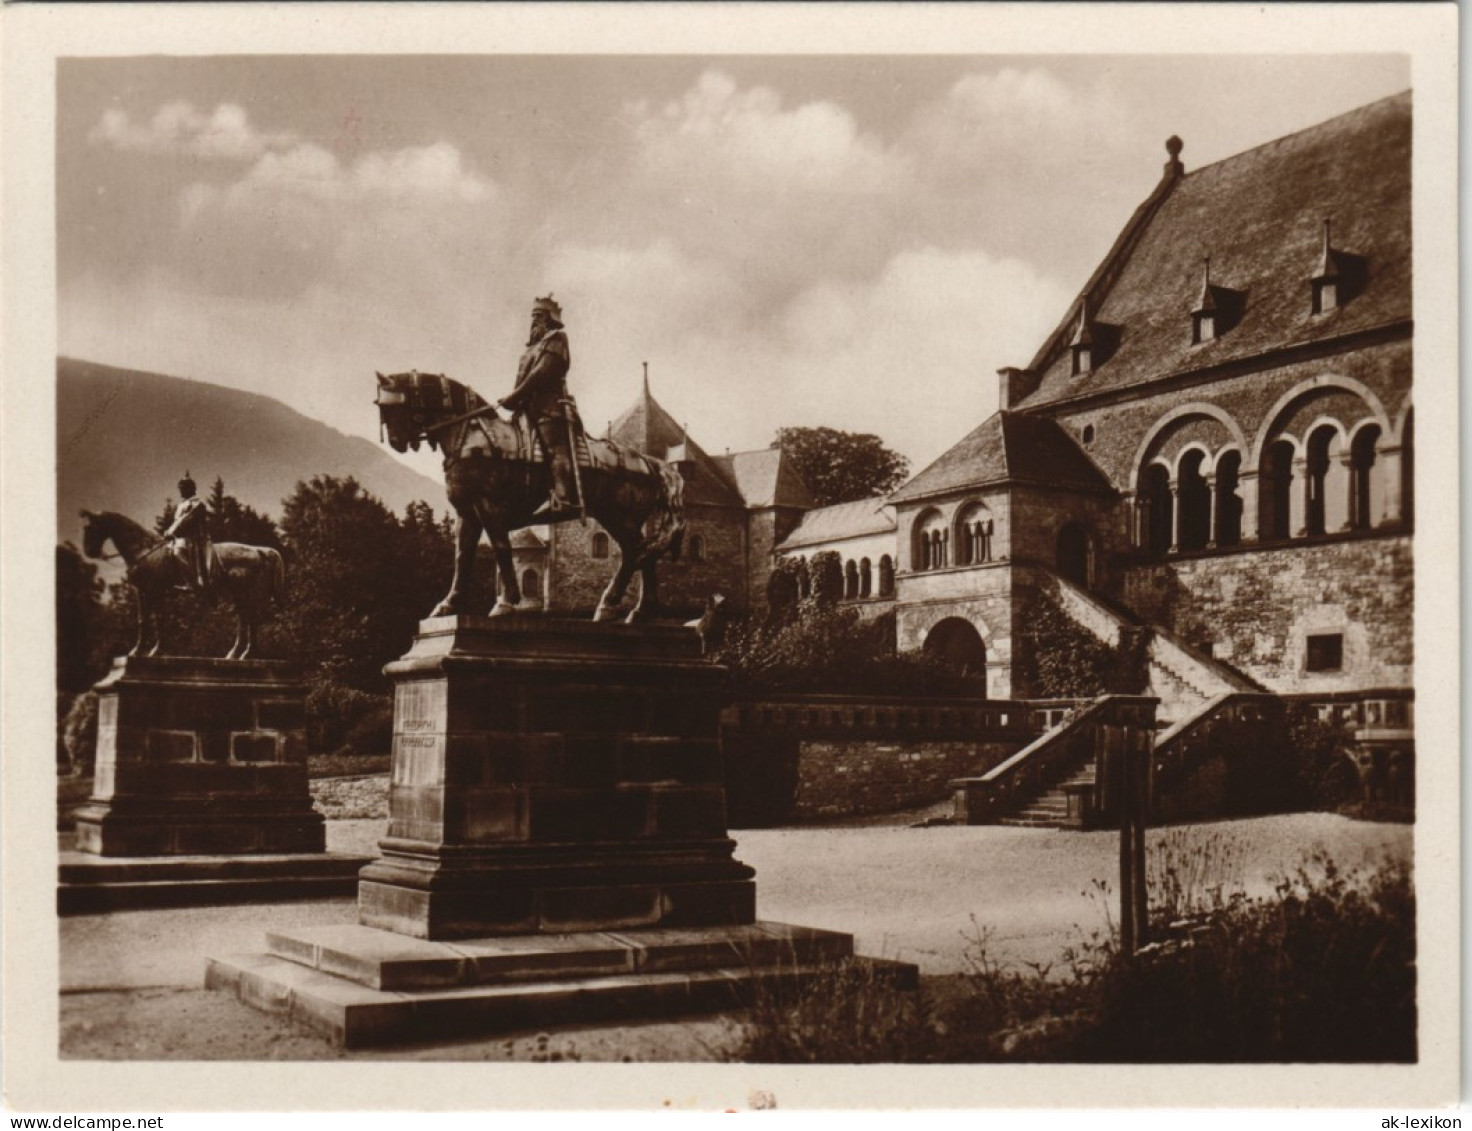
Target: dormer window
point(1336, 276)
point(1092, 341)
point(1217, 309)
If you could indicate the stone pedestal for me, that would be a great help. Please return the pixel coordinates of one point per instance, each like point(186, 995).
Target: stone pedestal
point(199, 756)
point(555, 776)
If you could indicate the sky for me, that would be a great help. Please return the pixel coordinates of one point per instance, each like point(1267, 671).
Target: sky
point(851, 241)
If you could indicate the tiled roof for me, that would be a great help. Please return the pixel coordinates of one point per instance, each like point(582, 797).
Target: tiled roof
point(766, 478)
point(648, 428)
point(842, 520)
point(1008, 447)
point(1259, 216)
point(527, 539)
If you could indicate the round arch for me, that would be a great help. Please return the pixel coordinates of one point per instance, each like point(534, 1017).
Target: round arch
point(1313, 385)
point(1207, 459)
point(955, 642)
point(1195, 408)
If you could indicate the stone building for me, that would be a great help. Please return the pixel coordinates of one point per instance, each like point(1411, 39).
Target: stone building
point(1215, 443)
point(738, 507)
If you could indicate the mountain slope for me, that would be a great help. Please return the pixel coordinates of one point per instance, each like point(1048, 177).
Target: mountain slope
point(124, 438)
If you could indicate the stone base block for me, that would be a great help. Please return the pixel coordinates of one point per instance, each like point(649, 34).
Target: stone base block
point(361, 987)
point(91, 883)
point(161, 829)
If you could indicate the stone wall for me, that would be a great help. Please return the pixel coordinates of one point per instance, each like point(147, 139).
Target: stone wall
point(1255, 609)
point(578, 578)
point(980, 595)
point(838, 778)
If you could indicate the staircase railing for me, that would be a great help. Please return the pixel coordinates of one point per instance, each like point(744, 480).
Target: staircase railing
point(1182, 748)
point(988, 797)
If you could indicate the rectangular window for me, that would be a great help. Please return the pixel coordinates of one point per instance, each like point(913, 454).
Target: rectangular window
point(1325, 653)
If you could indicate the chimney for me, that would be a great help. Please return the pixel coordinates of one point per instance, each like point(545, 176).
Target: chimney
point(1012, 385)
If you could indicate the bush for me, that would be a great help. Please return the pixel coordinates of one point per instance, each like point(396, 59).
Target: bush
point(1059, 659)
point(848, 1013)
point(371, 734)
point(1323, 969)
point(77, 748)
point(825, 649)
point(334, 710)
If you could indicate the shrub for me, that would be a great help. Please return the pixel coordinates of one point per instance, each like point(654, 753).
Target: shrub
point(333, 710)
point(825, 649)
point(848, 1013)
point(78, 735)
point(371, 734)
point(1059, 659)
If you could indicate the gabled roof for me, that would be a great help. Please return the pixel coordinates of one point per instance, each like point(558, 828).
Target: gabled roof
point(528, 539)
point(766, 478)
point(648, 428)
point(840, 521)
point(1259, 216)
point(1008, 447)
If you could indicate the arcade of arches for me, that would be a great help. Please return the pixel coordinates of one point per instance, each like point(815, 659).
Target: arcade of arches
point(1315, 475)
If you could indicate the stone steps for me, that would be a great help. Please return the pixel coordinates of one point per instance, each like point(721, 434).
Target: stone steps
point(360, 986)
point(91, 883)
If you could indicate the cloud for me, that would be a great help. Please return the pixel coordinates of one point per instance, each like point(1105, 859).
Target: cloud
point(225, 133)
point(717, 133)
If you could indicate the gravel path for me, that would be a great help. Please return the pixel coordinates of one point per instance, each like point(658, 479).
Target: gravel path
point(131, 979)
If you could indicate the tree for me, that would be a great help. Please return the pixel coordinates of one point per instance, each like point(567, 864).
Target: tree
point(841, 467)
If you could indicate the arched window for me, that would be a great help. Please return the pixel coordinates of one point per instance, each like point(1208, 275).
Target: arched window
point(1228, 498)
point(697, 548)
point(531, 585)
point(886, 577)
point(850, 579)
point(1193, 502)
point(1156, 519)
point(866, 578)
point(1275, 506)
point(974, 535)
point(927, 550)
point(1366, 494)
point(600, 545)
point(1328, 487)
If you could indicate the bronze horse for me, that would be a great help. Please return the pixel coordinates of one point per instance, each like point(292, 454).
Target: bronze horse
point(496, 482)
point(249, 577)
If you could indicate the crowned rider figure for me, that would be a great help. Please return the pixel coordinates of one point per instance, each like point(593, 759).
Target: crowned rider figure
point(189, 535)
point(541, 396)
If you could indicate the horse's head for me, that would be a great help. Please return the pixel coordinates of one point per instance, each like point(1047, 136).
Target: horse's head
point(400, 412)
point(93, 536)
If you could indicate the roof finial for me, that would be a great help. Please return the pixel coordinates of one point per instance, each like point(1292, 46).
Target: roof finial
point(1173, 146)
point(646, 379)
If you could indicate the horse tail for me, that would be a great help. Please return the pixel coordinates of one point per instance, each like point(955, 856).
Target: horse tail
point(666, 530)
point(278, 574)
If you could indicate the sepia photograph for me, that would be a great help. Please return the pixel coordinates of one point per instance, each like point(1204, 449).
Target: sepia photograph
point(715, 543)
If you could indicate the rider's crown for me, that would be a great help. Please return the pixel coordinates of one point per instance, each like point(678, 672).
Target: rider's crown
point(548, 305)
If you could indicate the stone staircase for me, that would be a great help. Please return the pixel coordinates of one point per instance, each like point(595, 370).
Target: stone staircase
point(1051, 809)
point(1191, 687)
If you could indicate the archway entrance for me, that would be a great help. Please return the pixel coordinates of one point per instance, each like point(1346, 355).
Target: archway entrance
point(956, 643)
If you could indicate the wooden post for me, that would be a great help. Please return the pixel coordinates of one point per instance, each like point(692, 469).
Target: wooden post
point(1135, 749)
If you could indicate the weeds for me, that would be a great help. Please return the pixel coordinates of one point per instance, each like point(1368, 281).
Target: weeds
point(1321, 969)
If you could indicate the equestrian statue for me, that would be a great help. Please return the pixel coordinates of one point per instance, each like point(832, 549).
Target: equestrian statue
point(185, 558)
point(499, 478)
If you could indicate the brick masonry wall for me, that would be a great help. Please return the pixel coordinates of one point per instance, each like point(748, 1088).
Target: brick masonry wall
point(840, 778)
point(1256, 609)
